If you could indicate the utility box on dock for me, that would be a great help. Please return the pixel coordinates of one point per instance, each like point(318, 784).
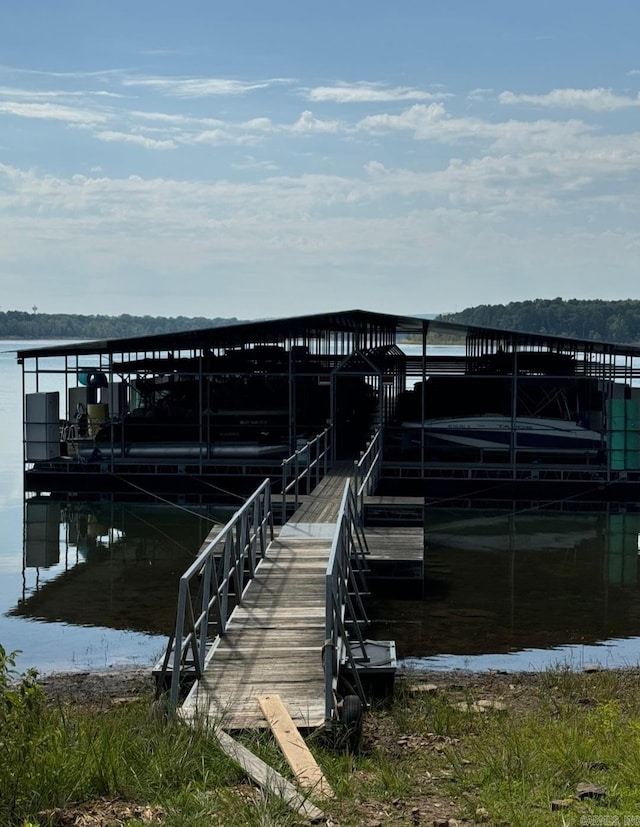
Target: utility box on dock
point(42, 426)
point(376, 665)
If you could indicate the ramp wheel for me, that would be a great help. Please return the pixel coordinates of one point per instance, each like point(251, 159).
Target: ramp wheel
point(351, 720)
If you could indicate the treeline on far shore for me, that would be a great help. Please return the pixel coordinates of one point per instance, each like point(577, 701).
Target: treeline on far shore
point(17, 324)
point(599, 320)
point(596, 319)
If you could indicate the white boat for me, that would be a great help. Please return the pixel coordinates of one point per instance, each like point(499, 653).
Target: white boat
point(498, 432)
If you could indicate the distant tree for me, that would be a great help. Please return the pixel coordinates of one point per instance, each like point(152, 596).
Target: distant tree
point(21, 325)
point(611, 321)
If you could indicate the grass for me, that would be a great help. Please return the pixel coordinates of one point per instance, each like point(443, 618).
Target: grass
point(424, 757)
point(572, 729)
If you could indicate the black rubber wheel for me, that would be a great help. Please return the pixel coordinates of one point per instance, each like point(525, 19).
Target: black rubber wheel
point(351, 720)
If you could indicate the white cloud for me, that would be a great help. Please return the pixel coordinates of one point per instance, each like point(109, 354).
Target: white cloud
point(258, 125)
point(195, 87)
point(365, 92)
point(395, 203)
point(418, 119)
point(98, 73)
point(138, 140)
point(479, 94)
point(537, 180)
point(52, 112)
point(176, 120)
point(307, 123)
point(218, 137)
point(53, 94)
point(594, 100)
point(101, 93)
point(30, 94)
point(468, 215)
point(434, 123)
point(253, 163)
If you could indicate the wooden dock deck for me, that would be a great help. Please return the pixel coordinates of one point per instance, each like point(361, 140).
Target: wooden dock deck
point(273, 643)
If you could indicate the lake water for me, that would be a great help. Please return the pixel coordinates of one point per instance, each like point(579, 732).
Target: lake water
point(92, 585)
point(522, 589)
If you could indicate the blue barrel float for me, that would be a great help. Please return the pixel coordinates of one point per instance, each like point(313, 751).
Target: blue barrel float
point(94, 379)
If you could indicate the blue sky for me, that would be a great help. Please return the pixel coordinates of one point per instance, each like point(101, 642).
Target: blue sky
point(258, 159)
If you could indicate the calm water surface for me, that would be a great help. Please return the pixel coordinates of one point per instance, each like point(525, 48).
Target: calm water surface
point(522, 589)
point(92, 585)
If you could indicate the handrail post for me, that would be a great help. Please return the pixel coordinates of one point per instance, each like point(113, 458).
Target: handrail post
point(328, 650)
point(268, 516)
point(284, 492)
point(206, 594)
point(326, 449)
point(177, 644)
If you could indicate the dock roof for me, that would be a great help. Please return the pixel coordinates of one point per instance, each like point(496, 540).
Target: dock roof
point(316, 325)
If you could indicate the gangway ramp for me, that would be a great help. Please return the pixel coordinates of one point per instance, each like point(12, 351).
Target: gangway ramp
point(272, 641)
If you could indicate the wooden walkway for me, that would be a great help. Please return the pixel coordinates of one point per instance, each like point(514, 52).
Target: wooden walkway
point(273, 643)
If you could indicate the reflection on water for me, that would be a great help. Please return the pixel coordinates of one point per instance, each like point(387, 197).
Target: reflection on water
point(107, 566)
point(505, 589)
point(522, 589)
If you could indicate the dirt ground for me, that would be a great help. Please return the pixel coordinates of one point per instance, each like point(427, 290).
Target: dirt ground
point(99, 688)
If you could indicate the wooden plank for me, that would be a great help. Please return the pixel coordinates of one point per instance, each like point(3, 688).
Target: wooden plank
point(266, 611)
point(303, 765)
point(287, 601)
point(238, 659)
point(299, 574)
point(305, 563)
point(295, 544)
point(266, 777)
point(270, 621)
point(252, 640)
point(258, 638)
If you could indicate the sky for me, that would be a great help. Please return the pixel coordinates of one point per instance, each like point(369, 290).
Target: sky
point(258, 159)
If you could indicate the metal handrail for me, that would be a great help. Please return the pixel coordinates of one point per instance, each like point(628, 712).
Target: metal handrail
point(308, 464)
point(367, 471)
point(346, 566)
point(219, 573)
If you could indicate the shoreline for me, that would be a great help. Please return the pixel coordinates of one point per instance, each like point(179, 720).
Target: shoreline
point(116, 685)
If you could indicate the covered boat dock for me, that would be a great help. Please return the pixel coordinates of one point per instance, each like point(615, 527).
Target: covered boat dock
point(205, 412)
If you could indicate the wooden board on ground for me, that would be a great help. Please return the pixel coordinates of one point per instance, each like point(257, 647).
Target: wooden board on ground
point(297, 753)
point(266, 777)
